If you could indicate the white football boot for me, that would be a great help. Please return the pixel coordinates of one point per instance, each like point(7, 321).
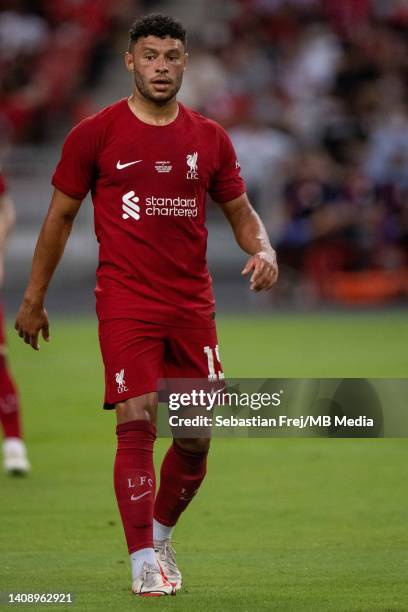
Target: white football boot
point(15, 457)
point(151, 583)
point(166, 556)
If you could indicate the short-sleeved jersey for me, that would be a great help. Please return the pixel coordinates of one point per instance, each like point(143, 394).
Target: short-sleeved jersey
point(149, 186)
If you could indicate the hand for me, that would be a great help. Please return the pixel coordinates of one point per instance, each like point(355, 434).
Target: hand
point(265, 269)
point(31, 319)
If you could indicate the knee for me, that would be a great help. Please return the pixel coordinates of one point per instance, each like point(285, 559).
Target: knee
point(142, 408)
point(194, 445)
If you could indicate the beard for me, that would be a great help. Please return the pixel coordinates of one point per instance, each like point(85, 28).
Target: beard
point(158, 98)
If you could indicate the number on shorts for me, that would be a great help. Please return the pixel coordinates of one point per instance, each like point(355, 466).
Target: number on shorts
point(212, 355)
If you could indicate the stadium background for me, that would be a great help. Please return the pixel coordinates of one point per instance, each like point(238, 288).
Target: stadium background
point(314, 96)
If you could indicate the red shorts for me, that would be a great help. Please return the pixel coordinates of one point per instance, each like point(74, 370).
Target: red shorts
point(137, 354)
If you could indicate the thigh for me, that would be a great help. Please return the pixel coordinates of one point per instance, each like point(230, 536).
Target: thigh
point(192, 363)
point(193, 353)
point(132, 353)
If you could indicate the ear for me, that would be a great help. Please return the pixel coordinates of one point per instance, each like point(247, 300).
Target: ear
point(129, 63)
point(185, 60)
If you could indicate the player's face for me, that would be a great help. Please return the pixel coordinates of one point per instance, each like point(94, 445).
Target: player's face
point(158, 65)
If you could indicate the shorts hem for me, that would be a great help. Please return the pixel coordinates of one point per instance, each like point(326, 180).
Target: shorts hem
point(112, 405)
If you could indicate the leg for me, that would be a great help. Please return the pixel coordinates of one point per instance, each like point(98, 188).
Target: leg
point(192, 353)
point(182, 472)
point(14, 450)
point(135, 485)
point(9, 401)
point(185, 464)
point(134, 476)
point(132, 355)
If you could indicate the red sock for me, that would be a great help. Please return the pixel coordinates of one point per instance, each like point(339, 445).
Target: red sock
point(9, 404)
point(135, 483)
point(181, 474)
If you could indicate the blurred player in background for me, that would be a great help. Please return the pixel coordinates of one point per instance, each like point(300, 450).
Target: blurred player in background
point(149, 163)
point(14, 451)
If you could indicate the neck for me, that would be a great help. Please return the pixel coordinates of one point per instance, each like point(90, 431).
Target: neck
point(151, 113)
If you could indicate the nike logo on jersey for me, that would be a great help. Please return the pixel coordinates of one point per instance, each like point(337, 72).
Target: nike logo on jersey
point(136, 497)
point(120, 166)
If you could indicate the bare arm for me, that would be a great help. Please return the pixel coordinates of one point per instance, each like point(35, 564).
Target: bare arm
point(251, 235)
point(32, 316)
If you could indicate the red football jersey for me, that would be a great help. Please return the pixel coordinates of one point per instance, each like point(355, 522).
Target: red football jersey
point(149, 186)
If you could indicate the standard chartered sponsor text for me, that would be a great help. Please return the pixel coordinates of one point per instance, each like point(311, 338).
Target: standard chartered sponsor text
point(171, 207)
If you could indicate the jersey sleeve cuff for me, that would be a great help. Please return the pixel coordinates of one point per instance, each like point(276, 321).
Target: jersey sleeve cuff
point(69, 191)
point(228, 196)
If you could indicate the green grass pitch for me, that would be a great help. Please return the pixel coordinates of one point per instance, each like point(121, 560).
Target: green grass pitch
point(280, 524)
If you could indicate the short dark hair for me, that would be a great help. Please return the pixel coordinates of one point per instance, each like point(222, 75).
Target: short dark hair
point(158, 25)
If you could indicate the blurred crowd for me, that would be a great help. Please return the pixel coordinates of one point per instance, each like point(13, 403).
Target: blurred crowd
point(313, 93)
point(51, 52)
